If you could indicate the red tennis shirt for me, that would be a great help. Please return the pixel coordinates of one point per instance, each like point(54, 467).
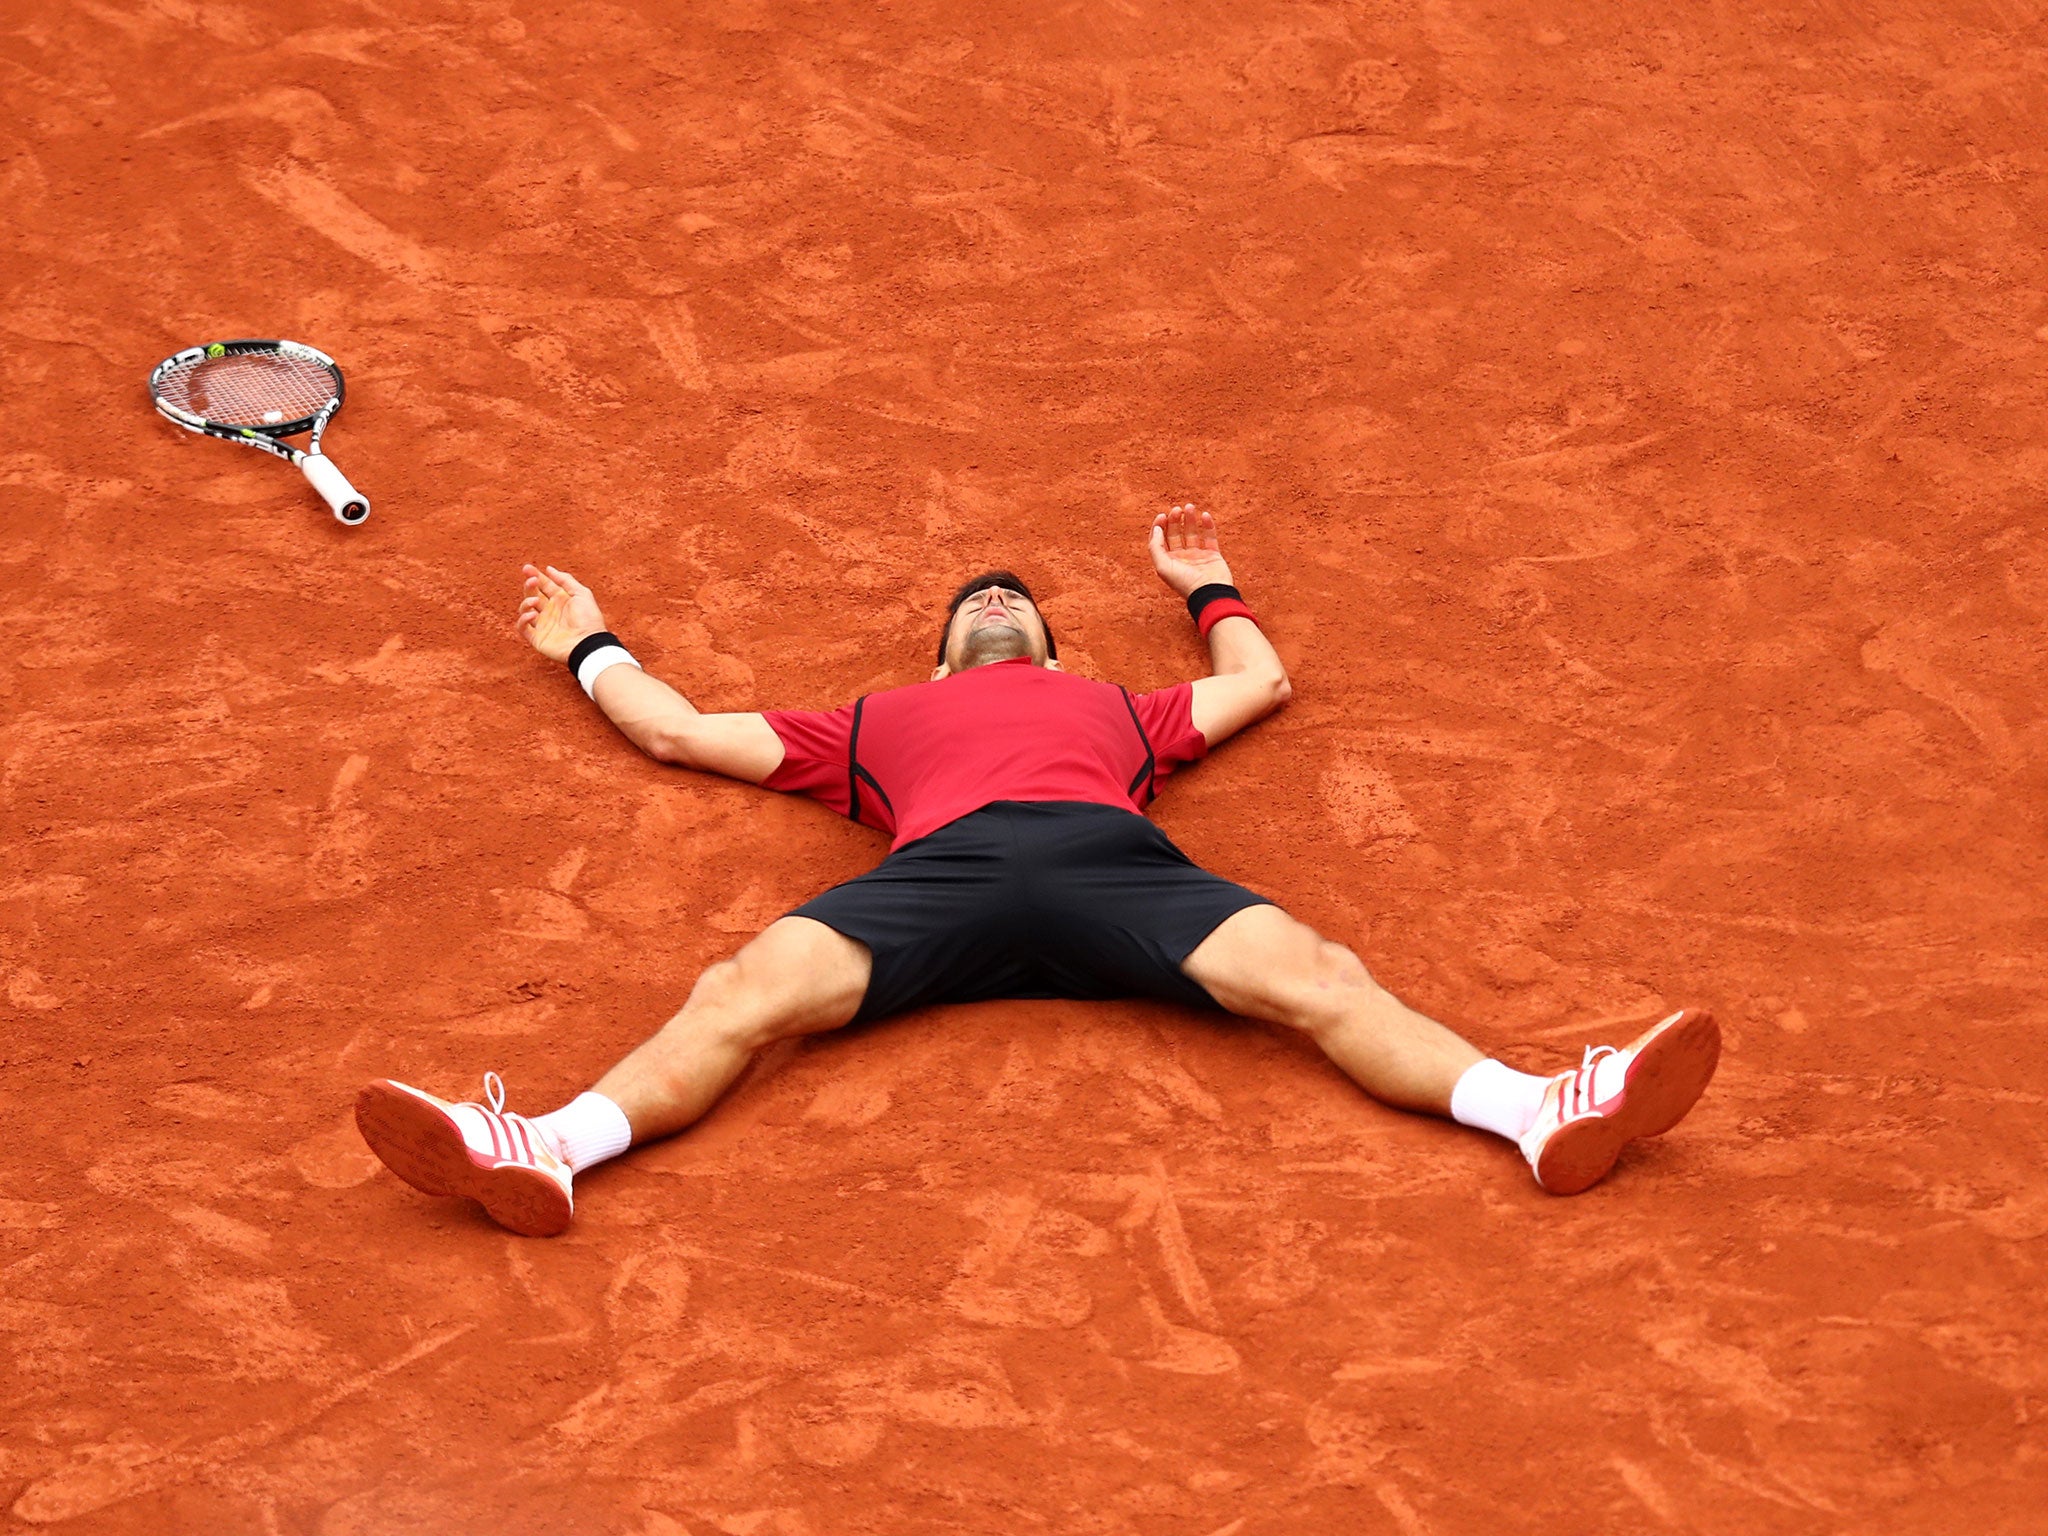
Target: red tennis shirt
point(913, 759)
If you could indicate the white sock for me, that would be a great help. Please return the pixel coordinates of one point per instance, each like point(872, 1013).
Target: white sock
point(1495, 1097)
point(586, 1130)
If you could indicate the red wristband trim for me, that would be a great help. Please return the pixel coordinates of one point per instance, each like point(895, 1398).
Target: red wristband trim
point(1223, 608)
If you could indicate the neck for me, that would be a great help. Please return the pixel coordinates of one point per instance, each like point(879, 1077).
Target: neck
point(999, 643)
point(992, 661)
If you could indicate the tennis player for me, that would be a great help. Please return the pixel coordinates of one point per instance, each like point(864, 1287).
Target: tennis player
point(1021, 865)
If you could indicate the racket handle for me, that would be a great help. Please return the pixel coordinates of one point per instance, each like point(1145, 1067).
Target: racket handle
point(349, 504)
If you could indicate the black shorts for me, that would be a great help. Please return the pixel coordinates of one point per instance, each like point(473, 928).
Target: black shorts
point(1017, 899)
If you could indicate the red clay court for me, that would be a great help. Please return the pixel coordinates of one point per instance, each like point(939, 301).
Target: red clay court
point(1626, 421)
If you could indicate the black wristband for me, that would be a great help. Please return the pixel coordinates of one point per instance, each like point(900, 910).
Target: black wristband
point(1202, 597)
point(589, 644)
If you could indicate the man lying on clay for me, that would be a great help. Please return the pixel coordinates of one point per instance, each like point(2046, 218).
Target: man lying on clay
point(1023, 867)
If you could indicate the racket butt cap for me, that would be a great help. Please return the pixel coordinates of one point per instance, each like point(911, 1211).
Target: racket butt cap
point(348, 504)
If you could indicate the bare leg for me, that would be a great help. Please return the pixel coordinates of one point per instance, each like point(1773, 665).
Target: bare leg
point(1263, 964)
point(798, 977)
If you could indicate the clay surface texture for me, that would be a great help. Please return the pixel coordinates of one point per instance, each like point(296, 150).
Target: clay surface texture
point(1626, 420)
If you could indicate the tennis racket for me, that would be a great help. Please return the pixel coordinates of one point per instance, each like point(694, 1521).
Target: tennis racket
point(255, 392)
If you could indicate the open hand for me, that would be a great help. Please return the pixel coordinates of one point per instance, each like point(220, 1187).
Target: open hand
point(557, 611)
point(1184, 550)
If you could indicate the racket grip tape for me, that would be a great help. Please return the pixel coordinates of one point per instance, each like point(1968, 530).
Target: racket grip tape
point(350, 505)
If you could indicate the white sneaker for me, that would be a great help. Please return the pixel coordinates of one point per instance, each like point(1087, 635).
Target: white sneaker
point(496, 1159)
point(1616, 1096)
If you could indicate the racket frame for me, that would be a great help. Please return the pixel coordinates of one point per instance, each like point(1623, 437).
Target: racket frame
point(264, 437)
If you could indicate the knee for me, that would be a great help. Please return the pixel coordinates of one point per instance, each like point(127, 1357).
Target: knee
point(719, 985)
point(720, 1005)
point(1335, 982)
point(1337, 966)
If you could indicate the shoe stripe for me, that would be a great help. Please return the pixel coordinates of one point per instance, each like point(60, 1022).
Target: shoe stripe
point(512, 1140)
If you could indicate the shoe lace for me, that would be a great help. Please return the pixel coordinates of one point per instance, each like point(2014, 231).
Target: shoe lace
point(1579, 1091)
point(494, 1101)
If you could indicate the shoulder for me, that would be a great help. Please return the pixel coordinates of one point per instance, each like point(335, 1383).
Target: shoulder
point(1070, 682)
point(1073, 692)
point(908, 696)
point(809, 732)
point(1167, 712)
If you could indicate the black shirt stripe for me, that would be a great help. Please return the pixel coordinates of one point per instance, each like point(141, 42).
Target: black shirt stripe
point(1144, 777)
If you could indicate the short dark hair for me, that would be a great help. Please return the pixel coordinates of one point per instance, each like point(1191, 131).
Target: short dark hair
point(1010, 581)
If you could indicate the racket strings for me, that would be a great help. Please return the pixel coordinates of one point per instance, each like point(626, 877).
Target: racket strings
point(250, 389)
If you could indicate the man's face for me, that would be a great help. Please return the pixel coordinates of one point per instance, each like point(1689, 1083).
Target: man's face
point(994, 623)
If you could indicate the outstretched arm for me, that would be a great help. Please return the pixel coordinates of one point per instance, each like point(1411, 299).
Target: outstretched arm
point(1246, 681)
point(558, 611)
